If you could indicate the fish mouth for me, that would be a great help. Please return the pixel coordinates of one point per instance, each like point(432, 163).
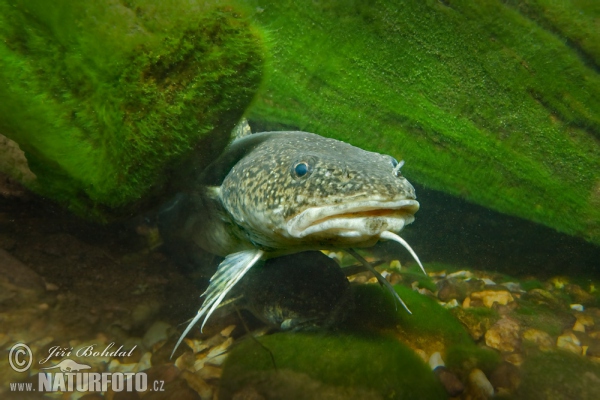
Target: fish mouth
point(364, 219)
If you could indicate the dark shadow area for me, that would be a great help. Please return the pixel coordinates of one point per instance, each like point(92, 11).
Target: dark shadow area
point(451, 230)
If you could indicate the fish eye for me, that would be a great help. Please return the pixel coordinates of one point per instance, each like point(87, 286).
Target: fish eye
point(301, 169)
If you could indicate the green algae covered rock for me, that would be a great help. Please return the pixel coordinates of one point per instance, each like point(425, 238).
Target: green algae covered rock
point(430, 327)
point(559, 375)
point(307, 366)
point(105, 96)
point(494, 101)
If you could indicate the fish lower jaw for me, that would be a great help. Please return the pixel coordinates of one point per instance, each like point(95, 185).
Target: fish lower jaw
point(352, 224)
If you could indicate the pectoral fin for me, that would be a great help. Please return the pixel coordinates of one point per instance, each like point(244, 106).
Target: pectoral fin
point(230, 271)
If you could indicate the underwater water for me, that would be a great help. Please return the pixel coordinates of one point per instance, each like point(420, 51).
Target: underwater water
point(154, 245)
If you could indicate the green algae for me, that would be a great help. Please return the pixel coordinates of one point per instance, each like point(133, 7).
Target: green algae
point(464, 358)
point(105, 97)
point(481, 99)
point(376, 310)
point(378, 366)
point(559, 375)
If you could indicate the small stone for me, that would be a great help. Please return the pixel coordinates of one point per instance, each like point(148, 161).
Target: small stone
point(451, 304)
point(489, 297)
point(158, 332)
point(448, 290)
point(505, 378)
point(578, 294)
point(19, 284)
point(466, 303)
point(204, 390)
point(593, 348)
point(116, 366)
point(514, 287)
point(594, 335)
point(51, 287)
point(460, 274)
point(439, 275)
point(542, 296)
point(449, 381)
point(436, 361)
point(569, 341)
point(144, 362)
point(395, 264)
point(503, 335)
point(488, 281)
point(559, 282)
point(578, 327)
point(577, 307)
point(586, 320)
point(210, 372)
point(543, 340)
point(481, 385)
point(514, 358)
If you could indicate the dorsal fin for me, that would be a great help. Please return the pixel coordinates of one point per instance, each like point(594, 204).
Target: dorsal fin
point(242, 129)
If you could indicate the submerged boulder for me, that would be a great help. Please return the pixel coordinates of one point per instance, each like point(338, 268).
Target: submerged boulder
point(497, 102)
point(306, 366)
point(105, 97)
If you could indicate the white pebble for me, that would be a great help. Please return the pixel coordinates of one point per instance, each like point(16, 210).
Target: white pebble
point(480, 381)
point(460, 274)
point(451, 304)
point(436, 361)
point(577, 307)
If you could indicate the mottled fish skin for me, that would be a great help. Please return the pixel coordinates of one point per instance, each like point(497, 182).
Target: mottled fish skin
point(261, 193)
point(276, 193)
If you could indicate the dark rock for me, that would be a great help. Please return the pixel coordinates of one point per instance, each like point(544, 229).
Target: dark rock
point(18, 283)
point(505, 378)
point(449, 381)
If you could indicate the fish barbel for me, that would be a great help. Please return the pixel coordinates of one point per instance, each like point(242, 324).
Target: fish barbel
point(276, 193)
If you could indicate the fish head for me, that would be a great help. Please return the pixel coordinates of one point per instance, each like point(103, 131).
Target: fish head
point(301, 190)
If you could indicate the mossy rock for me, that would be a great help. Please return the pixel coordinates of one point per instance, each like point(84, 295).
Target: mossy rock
point(559, 375)
point(307, 366)
point(376, 309)
point(106, 97)
point(494, 101)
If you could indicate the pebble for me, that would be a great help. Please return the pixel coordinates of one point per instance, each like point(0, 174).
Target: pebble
point(436, 360)
point(489, 297)
point(451, 304)
point(570, 342)
point(488, 281)
point(578, 327)
point(481, 384)
point(577, 307)
point(395, 264)
point(460, 274)
point(586, 320)
point(513, 287)
point(505, 378)
point(503, 335)
point(204, 390)
point(542, 339)
point(449, 381)
point(158, 332)
point(18, 283)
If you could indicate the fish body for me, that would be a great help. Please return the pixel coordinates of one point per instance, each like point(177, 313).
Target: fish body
point(275, 193)
point(253, 197)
